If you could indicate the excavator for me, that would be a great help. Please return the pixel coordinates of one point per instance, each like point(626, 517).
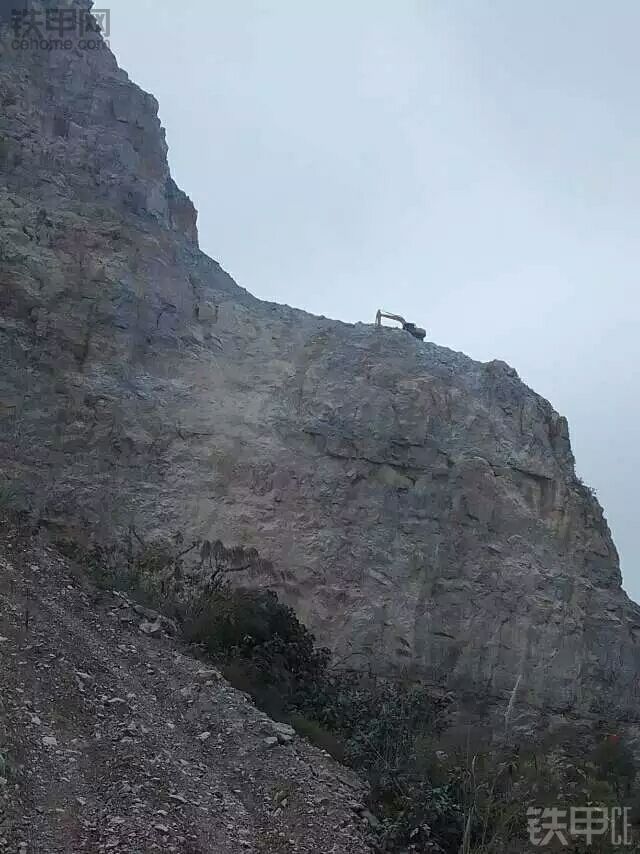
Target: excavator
point(411, 328)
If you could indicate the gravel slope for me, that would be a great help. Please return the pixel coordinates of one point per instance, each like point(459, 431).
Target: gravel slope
point(116, 741)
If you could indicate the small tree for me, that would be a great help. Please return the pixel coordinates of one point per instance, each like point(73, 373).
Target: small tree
point(615, 764)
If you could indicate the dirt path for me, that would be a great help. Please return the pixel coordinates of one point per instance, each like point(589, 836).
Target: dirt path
point(114, 741)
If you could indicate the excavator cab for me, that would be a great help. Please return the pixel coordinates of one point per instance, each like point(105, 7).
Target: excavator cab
point(411, 328)
point(416, 331)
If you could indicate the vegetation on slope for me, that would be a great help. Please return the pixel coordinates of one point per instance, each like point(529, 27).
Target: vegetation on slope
point(427, 793)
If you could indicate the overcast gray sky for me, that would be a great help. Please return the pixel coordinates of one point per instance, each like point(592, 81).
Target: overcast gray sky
point(470, 164)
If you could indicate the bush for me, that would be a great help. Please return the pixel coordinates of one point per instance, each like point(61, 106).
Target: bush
point(614, 763)
point(260, 642)
point(320, 736)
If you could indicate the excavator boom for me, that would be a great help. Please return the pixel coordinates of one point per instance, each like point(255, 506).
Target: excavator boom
point(411, 328)
point(390, 316)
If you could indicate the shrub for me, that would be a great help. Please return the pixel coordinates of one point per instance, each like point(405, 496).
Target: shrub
point(320, 736)
point(615, 764)
point(272, 653)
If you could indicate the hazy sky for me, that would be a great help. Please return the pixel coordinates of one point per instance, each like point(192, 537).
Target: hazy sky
point(470, 164)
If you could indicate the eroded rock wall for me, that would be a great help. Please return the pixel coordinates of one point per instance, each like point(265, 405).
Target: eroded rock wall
point(421, 509)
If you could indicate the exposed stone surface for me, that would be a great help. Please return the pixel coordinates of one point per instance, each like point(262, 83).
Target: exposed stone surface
point(421, 509)
point(111, 760)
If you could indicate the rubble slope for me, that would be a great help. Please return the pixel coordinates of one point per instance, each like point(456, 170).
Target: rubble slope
point(112, 740)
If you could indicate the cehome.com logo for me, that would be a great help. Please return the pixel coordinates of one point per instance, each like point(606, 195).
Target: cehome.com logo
point(62, 28)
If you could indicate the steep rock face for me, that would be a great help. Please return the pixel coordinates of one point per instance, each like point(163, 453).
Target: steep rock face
point(420, 509)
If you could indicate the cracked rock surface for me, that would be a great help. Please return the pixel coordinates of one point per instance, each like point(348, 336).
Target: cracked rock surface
point(421, 510)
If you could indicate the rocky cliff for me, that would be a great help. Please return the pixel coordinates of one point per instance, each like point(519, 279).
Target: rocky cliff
point(420, 509)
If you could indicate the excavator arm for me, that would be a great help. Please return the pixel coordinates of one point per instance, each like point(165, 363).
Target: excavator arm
point(389, 316)
point(411, 328)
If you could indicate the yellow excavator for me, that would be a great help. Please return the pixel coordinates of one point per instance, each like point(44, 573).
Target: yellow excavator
point(411, 328)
